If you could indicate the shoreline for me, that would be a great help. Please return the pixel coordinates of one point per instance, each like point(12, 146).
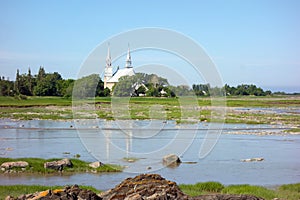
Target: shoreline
point(248, 110)
point(274, 129)
point(290, 191)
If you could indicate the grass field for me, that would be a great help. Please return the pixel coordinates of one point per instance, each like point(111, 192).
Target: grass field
point(187, 109)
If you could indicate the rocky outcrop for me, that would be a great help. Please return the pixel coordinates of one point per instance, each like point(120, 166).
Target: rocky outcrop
point(9, 165)
point(145, 186)
point(171, 160)
point(68, 193)
point(58, 165)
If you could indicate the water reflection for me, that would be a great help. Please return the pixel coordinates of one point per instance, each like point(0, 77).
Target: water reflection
point(50, 139)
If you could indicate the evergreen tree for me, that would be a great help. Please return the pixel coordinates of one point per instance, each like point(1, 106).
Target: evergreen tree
point(29, 82)
point(17, 82)
point(41, 74)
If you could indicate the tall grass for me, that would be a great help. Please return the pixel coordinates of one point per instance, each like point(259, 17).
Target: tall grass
point(202, 188)
point(258, 191)
point(289, 191)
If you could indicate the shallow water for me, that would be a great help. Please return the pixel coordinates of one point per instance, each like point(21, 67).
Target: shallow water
point(106, 142)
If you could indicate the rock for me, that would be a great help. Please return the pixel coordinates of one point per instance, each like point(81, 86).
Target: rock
point(145, 186)
point(153, 186)
point(253, 160)
point(9, 198)
point(58, 165)
point(96, 164)
point(68, 193)
point(133, 197)
point(9, 165)
point(171, 160)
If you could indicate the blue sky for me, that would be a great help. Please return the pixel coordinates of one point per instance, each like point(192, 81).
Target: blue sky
point(253, 42)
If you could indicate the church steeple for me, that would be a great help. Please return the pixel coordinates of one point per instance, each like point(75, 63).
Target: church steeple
point(108, 67)
point(108, 71)
point(128, 59)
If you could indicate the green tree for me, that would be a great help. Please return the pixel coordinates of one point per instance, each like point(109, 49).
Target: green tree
point(201, 89)
point(17, 82)
point(65, 87)
point(47, 85)
point(41, 74)
point(30, 82)
point(130, 85)
point(88, 86)
point(125, 86)
point(6, 87)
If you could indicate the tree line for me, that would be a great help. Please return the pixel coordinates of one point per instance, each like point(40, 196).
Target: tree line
point(50, 84)
point(152, 85)
point(141, 84)
point(240, 90)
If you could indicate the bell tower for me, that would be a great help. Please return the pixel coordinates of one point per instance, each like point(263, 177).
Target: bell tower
point(108, 68)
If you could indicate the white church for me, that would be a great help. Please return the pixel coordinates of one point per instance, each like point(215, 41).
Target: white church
point(110, 78)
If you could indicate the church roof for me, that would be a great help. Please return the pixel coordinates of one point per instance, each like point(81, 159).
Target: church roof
point(121, 72)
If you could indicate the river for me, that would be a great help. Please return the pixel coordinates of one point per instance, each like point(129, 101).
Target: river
point(108, 142)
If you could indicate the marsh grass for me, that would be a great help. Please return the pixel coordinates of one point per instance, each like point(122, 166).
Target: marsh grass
point(36, 165)
point(293, 130)
point(258, 191)
point(34, 101)
point(201, 188)
point(288, 191)
point(131, 159)
point(140, 109)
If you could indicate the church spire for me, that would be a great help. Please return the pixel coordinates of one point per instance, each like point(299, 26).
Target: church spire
point(108, 58)
point(108, 68)
point(128, 59)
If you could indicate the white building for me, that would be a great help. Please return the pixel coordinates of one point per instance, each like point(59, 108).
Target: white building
point(110, 78)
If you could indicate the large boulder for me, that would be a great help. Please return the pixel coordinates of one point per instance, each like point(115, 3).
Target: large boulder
point(171, 160)
point(9, 165)
point(58, 165)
